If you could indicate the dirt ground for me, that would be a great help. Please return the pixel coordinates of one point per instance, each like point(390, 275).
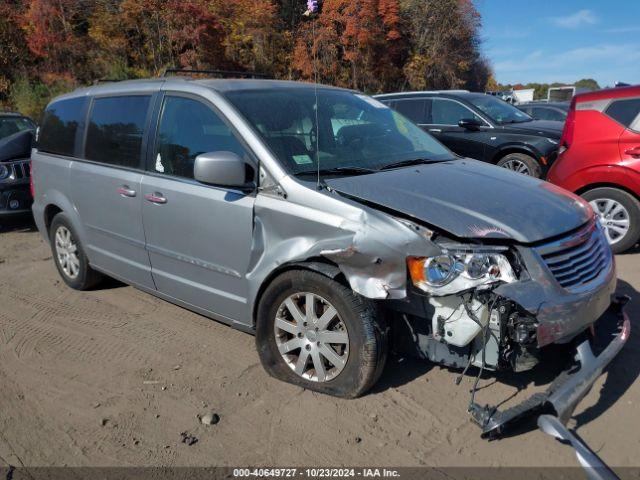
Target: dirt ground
point(114, 376)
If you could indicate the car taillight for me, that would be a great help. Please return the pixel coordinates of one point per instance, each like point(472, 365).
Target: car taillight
point(31, 187)
point(569, 125)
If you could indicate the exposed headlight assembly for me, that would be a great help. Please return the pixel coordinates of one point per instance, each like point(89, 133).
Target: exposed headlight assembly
point(459, 269)
point(4, 172)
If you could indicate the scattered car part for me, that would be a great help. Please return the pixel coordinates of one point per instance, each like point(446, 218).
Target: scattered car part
point(556, 405)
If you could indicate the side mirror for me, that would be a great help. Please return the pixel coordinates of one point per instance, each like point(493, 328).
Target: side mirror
point(221, 168)
point(470, 123)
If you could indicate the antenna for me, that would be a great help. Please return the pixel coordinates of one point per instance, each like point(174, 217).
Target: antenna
point(312, 9)
point(317, 106)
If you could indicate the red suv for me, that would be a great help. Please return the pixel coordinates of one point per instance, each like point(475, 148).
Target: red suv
point(599, 159)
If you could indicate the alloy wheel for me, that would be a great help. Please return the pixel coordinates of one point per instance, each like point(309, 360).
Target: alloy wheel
point(67, 252)
point(517, 166)
point(614, 217)
point(311, 337)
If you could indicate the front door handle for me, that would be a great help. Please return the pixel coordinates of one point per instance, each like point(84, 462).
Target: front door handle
point(634, 152)
point(155, 198)
point(125, 191)
point(436, 130)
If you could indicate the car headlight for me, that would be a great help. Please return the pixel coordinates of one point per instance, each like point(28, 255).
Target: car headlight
point(459, 269)
point(4, 172)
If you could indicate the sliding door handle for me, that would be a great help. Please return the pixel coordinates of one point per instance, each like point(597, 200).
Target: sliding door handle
point(155, 198)
point(125, 191)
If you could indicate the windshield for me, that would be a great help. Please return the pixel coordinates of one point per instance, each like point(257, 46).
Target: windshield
point(11, 125)
point(354, 130)
point(499, 110)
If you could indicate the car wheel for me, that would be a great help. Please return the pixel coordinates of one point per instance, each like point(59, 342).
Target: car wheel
point(619, 214)
point(69, 255)
point(521, 163)
point(316, 333)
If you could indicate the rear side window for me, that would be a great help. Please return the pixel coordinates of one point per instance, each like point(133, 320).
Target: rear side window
point(60, 125)
point(624, 111)
point(115, 131)
point(547, 114)
point(414, 110)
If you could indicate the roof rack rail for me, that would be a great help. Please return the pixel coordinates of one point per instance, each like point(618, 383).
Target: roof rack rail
point(106, 80)
point(220, 73)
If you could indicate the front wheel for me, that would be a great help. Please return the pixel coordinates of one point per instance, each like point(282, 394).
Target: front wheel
point(619, 214)
point(521, 163)
point(316, 333)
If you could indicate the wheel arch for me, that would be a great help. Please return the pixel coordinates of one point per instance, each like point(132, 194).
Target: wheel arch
point(617, 186)
point(515, 148)
point(56, 202)
point(315, 264)
point(50, 211)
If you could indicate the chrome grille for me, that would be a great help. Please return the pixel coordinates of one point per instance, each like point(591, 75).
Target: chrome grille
point(19, 170)
point(579, 258)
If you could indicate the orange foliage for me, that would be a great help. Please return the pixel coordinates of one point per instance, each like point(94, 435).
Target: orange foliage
point(356, 43)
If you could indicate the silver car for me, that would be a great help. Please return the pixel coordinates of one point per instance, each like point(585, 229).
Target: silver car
point(325, 223)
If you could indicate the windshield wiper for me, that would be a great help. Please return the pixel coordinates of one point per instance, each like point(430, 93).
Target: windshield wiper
point(408, 163)
point(353, 170)
point(517, 121)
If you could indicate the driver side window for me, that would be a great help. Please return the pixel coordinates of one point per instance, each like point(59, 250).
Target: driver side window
point(187, 129)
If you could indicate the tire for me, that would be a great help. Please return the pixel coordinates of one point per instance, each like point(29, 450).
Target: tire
point(517, 161)
point(81, 276)
point(357, 316)
point(630, 210)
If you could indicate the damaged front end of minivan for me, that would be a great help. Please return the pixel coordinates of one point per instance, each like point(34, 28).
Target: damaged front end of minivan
point(487, 300)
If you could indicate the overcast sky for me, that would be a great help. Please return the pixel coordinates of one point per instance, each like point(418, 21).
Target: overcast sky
point(562, 40)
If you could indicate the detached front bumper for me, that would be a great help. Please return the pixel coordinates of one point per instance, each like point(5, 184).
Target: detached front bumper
point(556, 405)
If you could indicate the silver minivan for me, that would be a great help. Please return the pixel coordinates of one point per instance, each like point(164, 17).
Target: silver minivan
point(328, 225)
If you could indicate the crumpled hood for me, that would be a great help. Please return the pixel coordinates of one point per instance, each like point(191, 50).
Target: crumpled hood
point(546, 128)
point(471, 199)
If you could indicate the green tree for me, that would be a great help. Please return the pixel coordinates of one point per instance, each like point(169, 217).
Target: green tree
point(588, 83)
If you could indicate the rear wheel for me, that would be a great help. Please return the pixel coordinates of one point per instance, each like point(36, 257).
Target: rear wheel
point(69, 255)
point(316, 333)
point(619, 214)
point(521, 163)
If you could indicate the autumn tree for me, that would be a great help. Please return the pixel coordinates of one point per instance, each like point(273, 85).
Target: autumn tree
point(55, 34)
point(13, 52)
point(252, 40)
point(444, 39)
point(51, 46)
point(353, 43)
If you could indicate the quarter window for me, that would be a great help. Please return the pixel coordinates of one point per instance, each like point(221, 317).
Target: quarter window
point(624, 111)
point(116, 128)
point(414, 110)
point(187, 129)
point(60, 125)
point(547, 114)
point(448, 112)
